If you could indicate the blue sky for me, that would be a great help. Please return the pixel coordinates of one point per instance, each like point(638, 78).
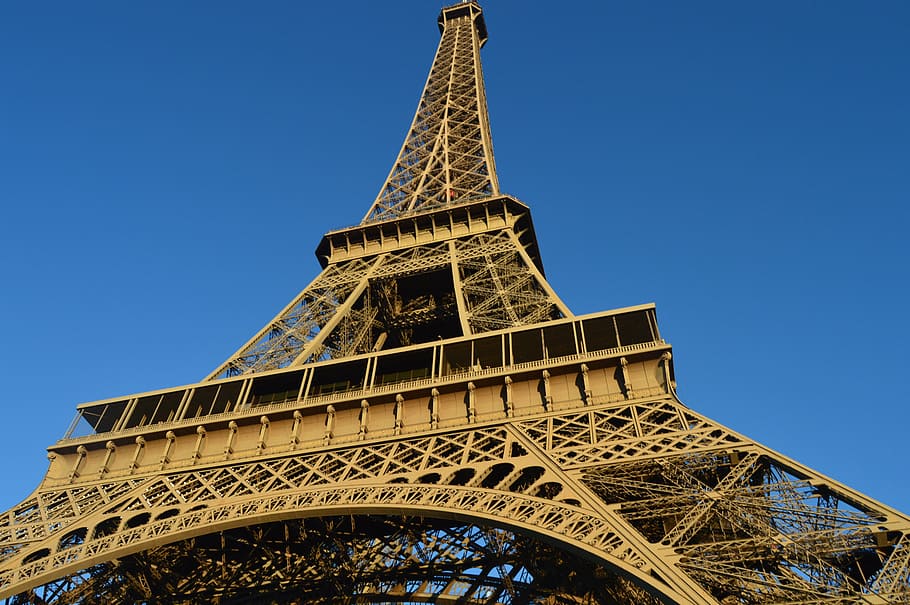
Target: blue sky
point(167, 169)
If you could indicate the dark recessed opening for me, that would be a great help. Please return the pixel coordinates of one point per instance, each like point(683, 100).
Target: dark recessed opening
point(106, 527)
point(600, 334)
point(278, 388)
point(634, 328)
point(403, 367)
point(456, 358)
point(488, 352)
point(559, 340)
point(462, 476)
point(35, 556)
point(496, 475)
point(526, 478)
point(527, 346)
point(138, 520)
point(338, 378)
point(416, 308)
point(73, 538)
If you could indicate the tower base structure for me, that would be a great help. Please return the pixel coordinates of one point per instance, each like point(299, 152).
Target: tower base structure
point(552, 463)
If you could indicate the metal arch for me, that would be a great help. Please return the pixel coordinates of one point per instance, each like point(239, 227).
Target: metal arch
point(568, 526)
point(681, 492)
point(360, 559)
point(691, 501)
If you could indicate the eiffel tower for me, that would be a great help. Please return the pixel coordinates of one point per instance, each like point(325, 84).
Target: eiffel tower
point(428, 422)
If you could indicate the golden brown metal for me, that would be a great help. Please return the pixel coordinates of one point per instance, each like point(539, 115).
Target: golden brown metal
point(447, 156)
point(427, 422)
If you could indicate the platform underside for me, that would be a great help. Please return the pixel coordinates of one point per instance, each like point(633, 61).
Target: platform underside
point(348, 559)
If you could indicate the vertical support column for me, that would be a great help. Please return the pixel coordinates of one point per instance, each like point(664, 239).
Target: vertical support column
point(626, 378)
point(51, 458)
point(665, 363)
point(263, 432)
point(127, 412)
point(200, 439)
point(229, 444)
point(364, 419)
point(510, 402)
point(586, 383)
point(295, 429)
point(434, 409)
point(459, 290)
point(170, 437)
point(329, 425)
point(399, 413)
point(472, 403)
point(371, 361)
point(184, 404)
point(81, 452)
point(304, 382)
point(245, 388)
point(111, 448)
point(137, 453)
point(307, 384)
point(547, 395)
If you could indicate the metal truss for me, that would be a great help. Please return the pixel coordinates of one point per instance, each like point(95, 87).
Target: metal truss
point(350, 559)
point(501, 286)
point(550, 462)
point(281, 341)
point(445, 161)
point(494, 285)
point(447, 156)
point(645, 490)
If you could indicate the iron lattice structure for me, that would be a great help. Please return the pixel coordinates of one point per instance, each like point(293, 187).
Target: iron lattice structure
point(428, 422)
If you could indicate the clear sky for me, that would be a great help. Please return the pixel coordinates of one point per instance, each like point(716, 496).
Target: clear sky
point(167, 169)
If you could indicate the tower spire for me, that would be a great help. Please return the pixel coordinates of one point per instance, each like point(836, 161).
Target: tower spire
point(441, 253)
point(447, 155)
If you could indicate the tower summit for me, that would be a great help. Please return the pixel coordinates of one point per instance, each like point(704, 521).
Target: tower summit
point(447, 156)
point(428, 422)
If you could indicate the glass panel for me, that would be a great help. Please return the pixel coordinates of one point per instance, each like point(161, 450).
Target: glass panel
point(634, 328)
point(80, 427)
point(278, 388)
point(227, 397)
point(600, 334)
point(109, 416)
point(202, 401)
point(456, 358)
point(652, 317)
point(559, 340)
point(167, 409)
point(402, 367)
point(488, 352)
point(338, 377)
point(143, 412)
point(527, 346)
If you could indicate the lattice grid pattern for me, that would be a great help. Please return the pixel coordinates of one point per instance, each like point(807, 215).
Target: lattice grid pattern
point(614, 495)
point(344, 559)
point(750, 530)
point(447, 156)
